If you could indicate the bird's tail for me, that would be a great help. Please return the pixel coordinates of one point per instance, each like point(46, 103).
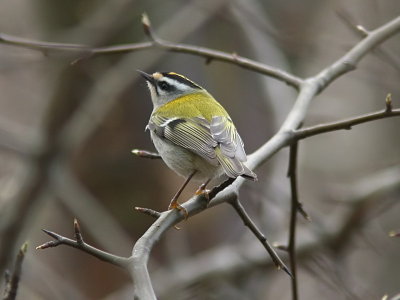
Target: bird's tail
point(233, 167)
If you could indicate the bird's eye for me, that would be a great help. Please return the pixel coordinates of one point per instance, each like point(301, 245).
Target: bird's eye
point(164, 86)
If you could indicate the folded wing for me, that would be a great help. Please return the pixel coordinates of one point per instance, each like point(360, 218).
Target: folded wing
point(217, 141)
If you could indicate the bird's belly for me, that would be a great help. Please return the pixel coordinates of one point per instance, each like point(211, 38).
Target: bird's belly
point(185, 162)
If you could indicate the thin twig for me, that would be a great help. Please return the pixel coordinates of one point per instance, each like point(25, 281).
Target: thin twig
point(81, 245)
point(330, 236)
point(346, 124)
point(394, 233)
point(292, 174)
point(85, 52)
point(210, 54)
point(11, 289)
point(260, 236)
point(148, 211)
point(387, 57)
point(146, 154)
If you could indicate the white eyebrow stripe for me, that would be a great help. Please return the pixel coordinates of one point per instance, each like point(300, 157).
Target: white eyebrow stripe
point(178, 85)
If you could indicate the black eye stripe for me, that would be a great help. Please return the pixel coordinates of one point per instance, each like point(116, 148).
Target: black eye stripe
point(165, 86)
point(181, 79)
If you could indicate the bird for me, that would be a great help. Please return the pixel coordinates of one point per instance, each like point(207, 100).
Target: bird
point(193, 133)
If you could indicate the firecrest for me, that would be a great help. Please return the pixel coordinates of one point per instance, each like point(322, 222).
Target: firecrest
point(193, 133)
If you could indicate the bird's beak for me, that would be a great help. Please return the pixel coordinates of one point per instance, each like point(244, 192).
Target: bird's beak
point(148, 77)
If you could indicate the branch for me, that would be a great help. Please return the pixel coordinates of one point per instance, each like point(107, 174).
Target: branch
point(361, 32)
point(147, 211)
point(211, 54)
point(238, 261)
point(346, 124)
point(314, 85)
point(80, 244)
point(308, 90)
point(11, 289)
point(260, 236)
point(85, 51)
point(350, 60)
point(146, 154)
point(292, 174)
point(166, 220)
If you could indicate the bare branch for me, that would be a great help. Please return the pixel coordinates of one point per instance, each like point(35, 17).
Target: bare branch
point(210, 54)
point(394, 233)
point(146, 154)
point(344, 124)
point(244, 260)
point(309, 89)
point(360, 31)
point(11, 289)
point(79, 243)
point(350, 60)
point(292, 174)
point(260, 236)
point(148, 211)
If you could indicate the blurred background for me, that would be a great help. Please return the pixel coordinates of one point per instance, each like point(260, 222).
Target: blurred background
point(67, 130)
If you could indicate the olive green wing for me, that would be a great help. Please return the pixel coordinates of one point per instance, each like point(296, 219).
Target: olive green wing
point(190, 133)
point(216, 141)
point(230, 151)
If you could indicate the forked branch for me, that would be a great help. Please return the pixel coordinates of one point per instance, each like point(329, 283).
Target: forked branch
point(80, 244)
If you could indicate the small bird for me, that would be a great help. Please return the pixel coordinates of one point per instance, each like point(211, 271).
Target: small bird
point(193, 133)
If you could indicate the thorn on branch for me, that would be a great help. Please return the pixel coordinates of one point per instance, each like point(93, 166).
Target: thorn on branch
point(209, 59)
point(301, 210)
point(362, 29)
point(394, 233)
point(78, 234)
point(235, 56)
point(146, 154)
point(148, 211)
point(388, 102)
point(280, 247)
point(50, 244)
point(147, 26)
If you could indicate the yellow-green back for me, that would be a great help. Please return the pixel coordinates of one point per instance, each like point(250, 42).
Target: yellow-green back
point(200, 104)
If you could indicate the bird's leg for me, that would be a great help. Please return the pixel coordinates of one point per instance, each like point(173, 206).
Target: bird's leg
point(174, 202)
point(202, 189)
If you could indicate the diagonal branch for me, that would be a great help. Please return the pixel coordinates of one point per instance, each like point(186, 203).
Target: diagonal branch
point(146, 154)
point(346, 124)
point(80, 244)
point(211, 54)
point(260, 236)
point(349, 61)
point(12, 282)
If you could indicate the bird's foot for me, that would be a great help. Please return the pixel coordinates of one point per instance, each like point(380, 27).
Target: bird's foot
point(203, 191)
point(176, 205)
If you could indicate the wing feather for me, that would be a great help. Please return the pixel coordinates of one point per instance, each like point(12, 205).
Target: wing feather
point(217, 141)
